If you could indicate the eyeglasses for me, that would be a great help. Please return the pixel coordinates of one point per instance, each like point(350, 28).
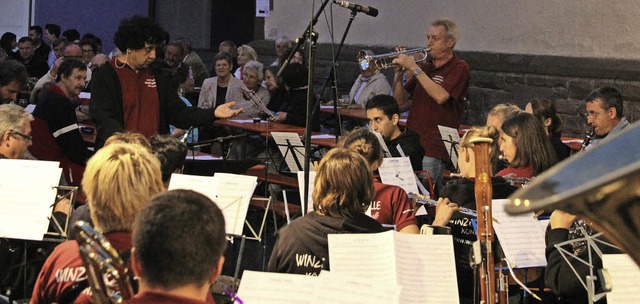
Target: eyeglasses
point(24, 136)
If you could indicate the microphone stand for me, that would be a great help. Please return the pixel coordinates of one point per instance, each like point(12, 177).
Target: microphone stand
point(331, 77)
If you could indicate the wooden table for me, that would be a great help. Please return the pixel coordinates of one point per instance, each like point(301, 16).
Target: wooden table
point(355, 113)
point(245, 123)
point(272, 178)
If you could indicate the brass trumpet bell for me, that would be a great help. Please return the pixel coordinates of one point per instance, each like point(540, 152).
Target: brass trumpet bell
point(385, 61)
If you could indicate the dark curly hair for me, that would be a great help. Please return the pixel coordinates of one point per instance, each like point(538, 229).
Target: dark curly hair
point(133, 33)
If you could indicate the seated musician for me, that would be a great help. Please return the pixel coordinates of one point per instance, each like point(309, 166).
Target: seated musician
point(559, 276)
point(114, 201)
point(495, 118)
point(525, 147)
point(384, 116)
point(390, 205)
point(178, 246)
point(342, 191)
point(171, 153)
point(545, 110)
point(460, 193)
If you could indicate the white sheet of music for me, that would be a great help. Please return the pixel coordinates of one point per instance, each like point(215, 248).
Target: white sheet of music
point(450, 137)
point(296, 147)
point(27, 188)
point(276, 288)
point(242, 120)
point(397, 171)
point(521, 237)
point(625, 275)
point(312, 178)
point(338, 288)
point(423, 265)
point(231, 192)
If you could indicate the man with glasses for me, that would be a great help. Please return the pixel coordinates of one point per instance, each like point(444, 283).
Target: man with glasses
point(71, 51)
point(89, 47)
point(605, 113)
point(15, 131)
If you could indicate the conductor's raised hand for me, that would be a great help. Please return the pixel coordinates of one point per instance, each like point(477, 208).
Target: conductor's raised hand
point(225, 110)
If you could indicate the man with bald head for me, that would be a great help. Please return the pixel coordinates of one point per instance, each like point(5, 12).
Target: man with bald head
point(71, 51)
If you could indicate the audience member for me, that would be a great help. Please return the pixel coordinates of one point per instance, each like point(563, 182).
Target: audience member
point(57, 46)
point(40, 49)
point(440, 93)
point(252, 76)
point(292, 108)
point(36, 67)
point(525, 147)
point(383, 114)
point(9, 43)
point(89, 48)
point(98, 42)
point(230, 48)
point(245, 54)
point(72, 35)
point(71, 51)
point(13, 77)
point(461, 193)
point(390, 204)
point(605, 113)
point(283, 48)
point(173, 263)
point(545, 111)
point(369, 83)
point(173, 54)
point(343, 189)
point(51, 34)
point(114, 202)
point(128, 85)
point(194, 61)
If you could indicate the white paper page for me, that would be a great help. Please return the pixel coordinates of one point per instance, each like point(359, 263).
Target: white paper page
point(625, 276)
point(297, 147)
point(276, 288)
point(231, 192)
point(426, 268)
point(423, 190)
point(385, 149)
point(84, 95)
point(27, 188)
point(312, 178)
point(366, 255)
point(521, 237)
point(338, 288)
point(397, 171)
point(450, 136)
point(543, 224)
point(322, 136)
point(326, 107)
point(242, 120)
point(30, 108)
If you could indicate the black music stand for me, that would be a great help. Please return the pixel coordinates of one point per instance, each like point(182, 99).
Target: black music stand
point(294, 152)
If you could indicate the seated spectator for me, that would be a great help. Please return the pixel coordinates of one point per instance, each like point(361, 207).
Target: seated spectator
point(114, 202)
point(230, 48)
point(292, 107)
point(71, 51)
point(245, 54)
point(89, 50)
point(36, 67)
point(283, 47)
point(51, 35)
point(173, 54)
point(72, 35)
point(8, 43)
point(369, 83)
point(57, 46)
point(55, 117)
point(98, 42)
point(13, 77)
point(194, 61)
point(252, 76)
point(545, 110)
point(390, 204)
point(525, 147)
point(384, 117)
point(173, 263)
point(343, 190)
point(40, 49)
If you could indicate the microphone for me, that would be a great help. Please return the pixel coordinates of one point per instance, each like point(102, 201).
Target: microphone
point(358, 8)
point(186, 134)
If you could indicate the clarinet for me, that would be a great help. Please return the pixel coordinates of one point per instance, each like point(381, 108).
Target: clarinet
point(587, 139)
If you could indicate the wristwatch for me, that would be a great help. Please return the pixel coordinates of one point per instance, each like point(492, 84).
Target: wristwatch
point(417, 71)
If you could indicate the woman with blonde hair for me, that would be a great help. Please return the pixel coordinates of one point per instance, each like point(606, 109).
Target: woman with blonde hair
point(343, 189)
point(245, 54)
point(119, 180)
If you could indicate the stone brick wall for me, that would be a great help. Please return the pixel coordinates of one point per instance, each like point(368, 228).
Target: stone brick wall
point(498, 78)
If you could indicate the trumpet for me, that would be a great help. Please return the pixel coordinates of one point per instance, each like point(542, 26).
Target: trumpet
point(384, 61)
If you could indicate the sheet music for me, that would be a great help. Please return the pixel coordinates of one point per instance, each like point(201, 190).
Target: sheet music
point(397, 171)
point(426, 268)
point(312, 178)
point(450, 135)
point(28, 192)
point(423, 190)
point(521, 237)
point(423, 265)
point(231, 192)
point(296, 147)
point(385, 149)
point(338, 288)
point(625, 276)
point(242, 120)
point(276, 288)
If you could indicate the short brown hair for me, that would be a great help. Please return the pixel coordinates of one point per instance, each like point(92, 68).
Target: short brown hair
point(365, 143)
point(119, 180)
point(344, 184)
point(128, 138)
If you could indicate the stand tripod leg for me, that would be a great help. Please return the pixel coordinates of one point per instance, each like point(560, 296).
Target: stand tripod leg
point(238, 262)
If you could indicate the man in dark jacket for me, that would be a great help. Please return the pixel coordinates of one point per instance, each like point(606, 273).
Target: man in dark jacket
point(129, 95)
point(384, 115)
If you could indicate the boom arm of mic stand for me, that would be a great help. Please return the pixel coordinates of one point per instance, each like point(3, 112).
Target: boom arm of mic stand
point(303, 38)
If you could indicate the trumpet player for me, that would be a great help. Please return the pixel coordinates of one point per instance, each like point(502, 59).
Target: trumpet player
point(437, 90)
